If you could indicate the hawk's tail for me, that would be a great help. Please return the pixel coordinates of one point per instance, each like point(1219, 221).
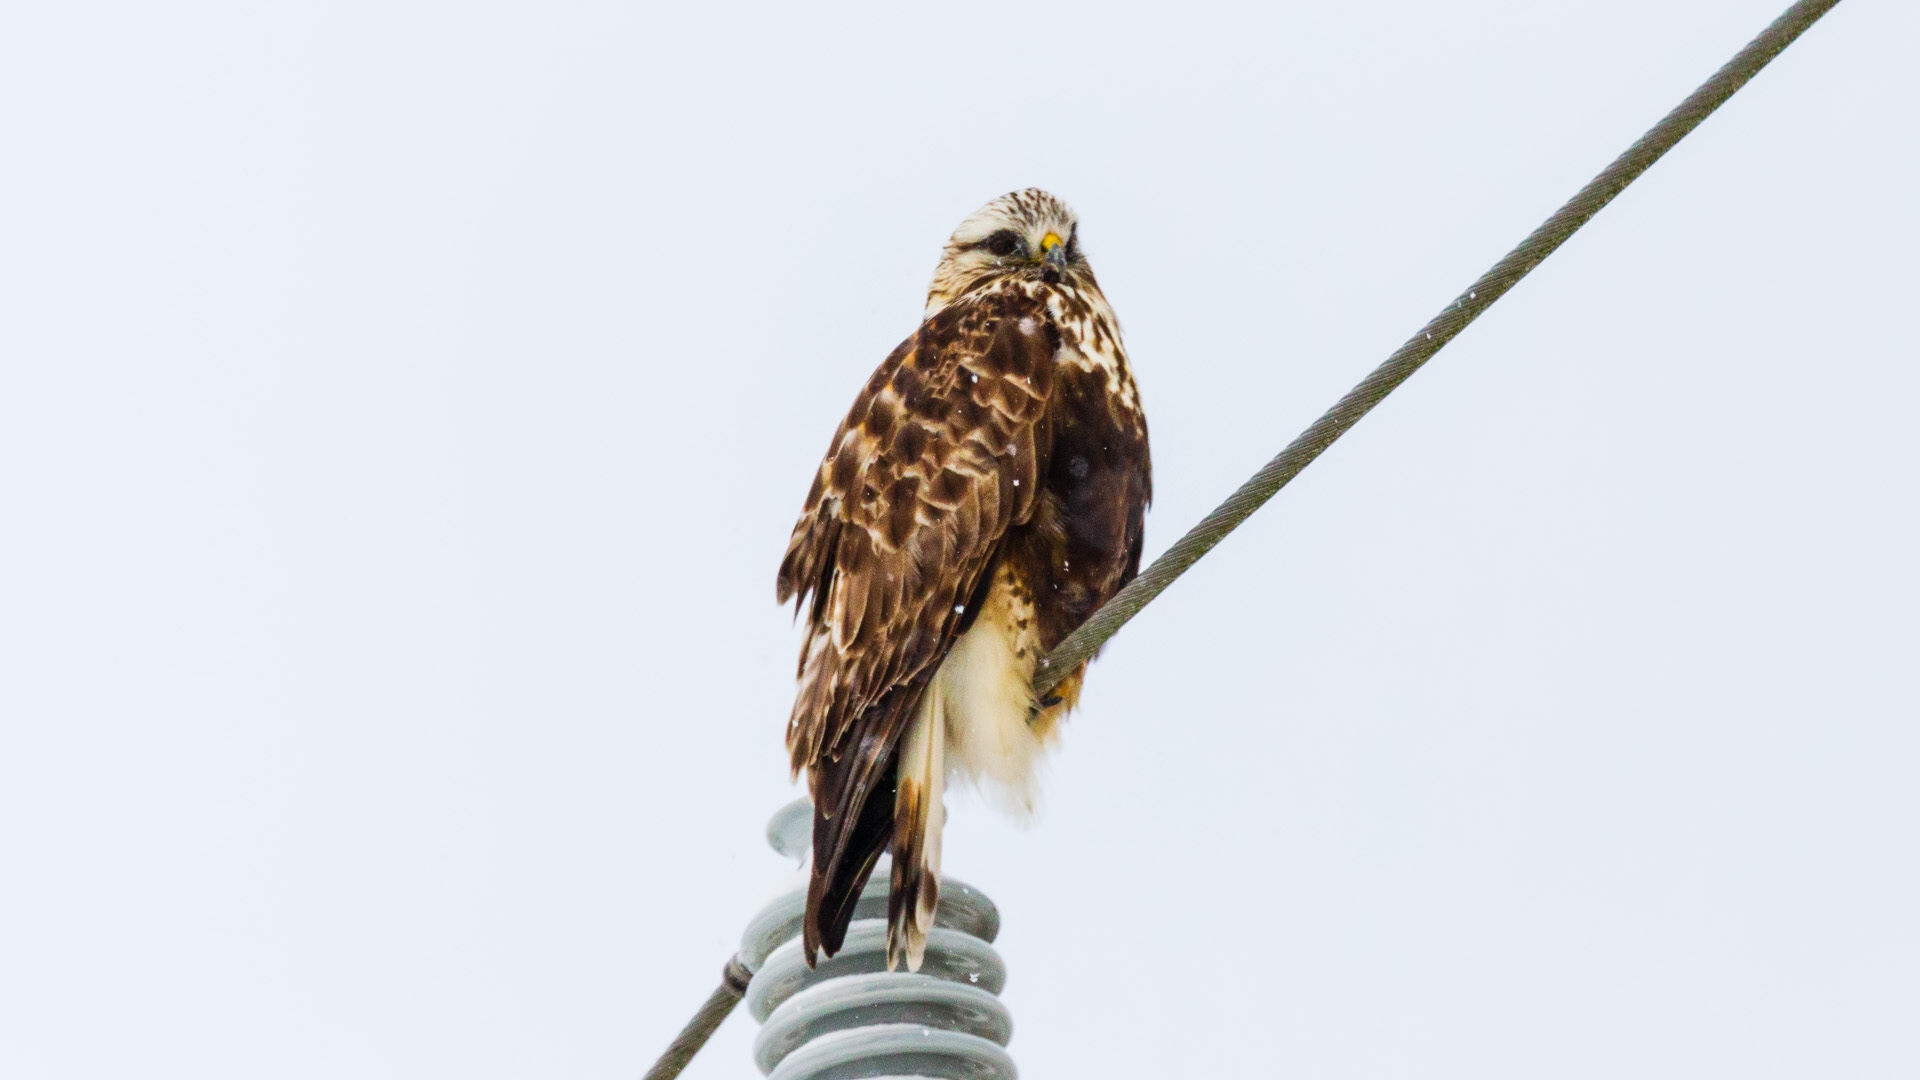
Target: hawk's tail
point(919, 812)
point(844, 852)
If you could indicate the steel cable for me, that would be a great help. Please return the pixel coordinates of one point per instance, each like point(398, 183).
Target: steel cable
point(1311, 443)
point(733, 986)
point(1274, 475)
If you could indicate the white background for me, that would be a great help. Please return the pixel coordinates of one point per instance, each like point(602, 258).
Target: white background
point(403, 409)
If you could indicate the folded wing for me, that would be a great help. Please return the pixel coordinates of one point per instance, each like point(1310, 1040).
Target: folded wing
point(941, 454)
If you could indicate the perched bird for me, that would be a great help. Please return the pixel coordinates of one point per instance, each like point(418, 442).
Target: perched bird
point(983, 497)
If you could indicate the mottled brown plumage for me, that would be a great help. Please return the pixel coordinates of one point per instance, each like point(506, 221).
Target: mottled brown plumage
point(983, 496)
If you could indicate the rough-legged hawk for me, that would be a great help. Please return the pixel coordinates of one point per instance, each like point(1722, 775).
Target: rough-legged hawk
point(982, 498)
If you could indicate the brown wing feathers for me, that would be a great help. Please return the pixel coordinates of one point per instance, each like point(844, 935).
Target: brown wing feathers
point(941, 454)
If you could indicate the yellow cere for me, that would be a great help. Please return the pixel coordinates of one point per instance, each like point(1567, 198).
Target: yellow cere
point(1049, 242)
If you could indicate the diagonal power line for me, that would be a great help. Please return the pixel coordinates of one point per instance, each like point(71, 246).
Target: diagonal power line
point(1275, 474)
point(1518, 263)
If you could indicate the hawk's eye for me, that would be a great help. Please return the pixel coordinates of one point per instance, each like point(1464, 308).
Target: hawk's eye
point(1003, 243)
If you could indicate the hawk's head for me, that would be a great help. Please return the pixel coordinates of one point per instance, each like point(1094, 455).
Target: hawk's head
point(1029, 233)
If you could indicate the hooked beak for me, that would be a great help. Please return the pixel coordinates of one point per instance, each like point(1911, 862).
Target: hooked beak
point(1054, 250)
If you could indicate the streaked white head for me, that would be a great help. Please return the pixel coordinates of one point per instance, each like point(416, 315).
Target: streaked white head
point(1030, 233)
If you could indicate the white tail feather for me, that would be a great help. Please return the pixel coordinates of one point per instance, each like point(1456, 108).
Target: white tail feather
point(923, 776)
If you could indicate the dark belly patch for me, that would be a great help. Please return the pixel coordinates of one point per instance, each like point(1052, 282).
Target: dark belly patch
point(1083, 542)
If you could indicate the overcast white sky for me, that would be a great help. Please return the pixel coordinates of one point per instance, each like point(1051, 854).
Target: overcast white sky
point(403, 408)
